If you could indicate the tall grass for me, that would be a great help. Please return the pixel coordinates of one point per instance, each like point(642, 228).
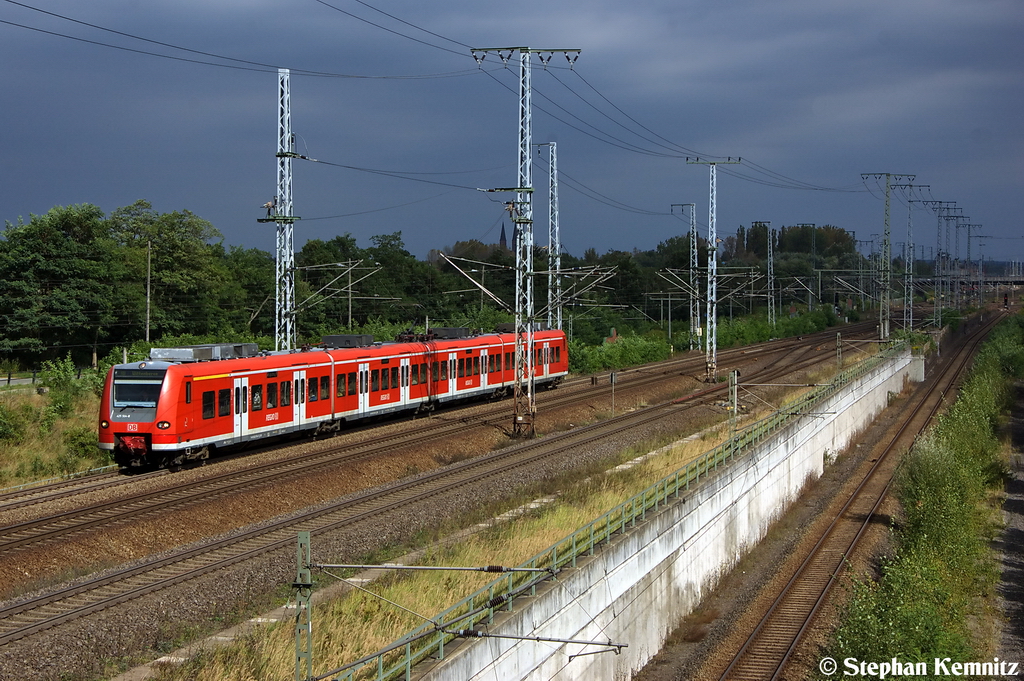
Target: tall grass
point(934, 593)
point(359, 624)
point(51, 434)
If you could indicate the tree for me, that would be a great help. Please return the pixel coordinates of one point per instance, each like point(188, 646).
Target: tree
point(192, 290)
point(58, 276)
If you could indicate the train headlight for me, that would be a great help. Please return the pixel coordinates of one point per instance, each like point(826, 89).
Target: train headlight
point(163, 425)
point(104, 424)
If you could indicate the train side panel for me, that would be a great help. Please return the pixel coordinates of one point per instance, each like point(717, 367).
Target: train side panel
point(166, 412)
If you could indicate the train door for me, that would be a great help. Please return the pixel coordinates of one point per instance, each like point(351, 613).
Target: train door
point(364, 387)
point(299, 397)
point(241, 404)
point(404, 381)
point(188, 409)
point(453, 380)
point(483, 368)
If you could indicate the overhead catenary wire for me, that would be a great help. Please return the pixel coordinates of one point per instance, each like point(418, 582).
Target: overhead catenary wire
point(239, 64)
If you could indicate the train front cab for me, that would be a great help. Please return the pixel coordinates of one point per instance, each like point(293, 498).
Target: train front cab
point(129, 411)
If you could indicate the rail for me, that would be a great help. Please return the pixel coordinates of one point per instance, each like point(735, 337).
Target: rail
point(429, 640)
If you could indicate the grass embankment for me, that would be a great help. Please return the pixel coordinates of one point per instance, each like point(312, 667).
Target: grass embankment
point(934, 597)
point(359, 624)
point(52, 434)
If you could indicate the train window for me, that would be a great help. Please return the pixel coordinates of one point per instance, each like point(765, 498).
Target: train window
point(224, 402)
point(238, 400)
point(300, 390)
point(286, 393)
point(208, 404)
point(375, 380)
point(508, 361)
point(271, 395)
point(385, 379)
point(423, 372)
point(435, 372)
point(314, 394)
point(476, 366)
point(362, 382)
point(444, 370)
point(256, 395)
point(415, 379)
point(352, 383)
point(245, 398)
point(339, 380)
point(325, 387)
point(394, 377)
point(188, 392)
point(462, 367)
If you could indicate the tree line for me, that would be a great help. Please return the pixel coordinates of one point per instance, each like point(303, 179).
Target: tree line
point(76, 280)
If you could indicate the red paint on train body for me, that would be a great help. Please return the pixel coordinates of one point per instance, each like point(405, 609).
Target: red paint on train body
point(163, 413)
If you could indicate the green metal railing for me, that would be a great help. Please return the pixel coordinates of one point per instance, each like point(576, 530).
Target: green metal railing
point(429, 640)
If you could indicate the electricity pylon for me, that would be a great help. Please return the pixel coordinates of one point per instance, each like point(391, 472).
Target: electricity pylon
point(908, 260)
point(886, 264)
point(554, 241)
point(521, 210)
point(279, 210)
point(711, 344)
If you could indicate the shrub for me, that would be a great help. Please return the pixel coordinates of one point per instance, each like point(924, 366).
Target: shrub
point(927, 597)
point(12, 426)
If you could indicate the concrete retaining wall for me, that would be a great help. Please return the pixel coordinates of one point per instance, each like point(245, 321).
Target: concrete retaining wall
point(638, 586)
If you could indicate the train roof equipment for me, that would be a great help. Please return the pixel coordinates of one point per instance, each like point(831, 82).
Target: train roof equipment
point(204, 353)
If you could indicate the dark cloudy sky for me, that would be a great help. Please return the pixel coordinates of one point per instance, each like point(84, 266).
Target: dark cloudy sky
point(808, 93)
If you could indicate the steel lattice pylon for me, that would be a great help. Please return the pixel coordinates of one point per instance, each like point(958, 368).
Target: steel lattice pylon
point(694, 277)
point(524, 406)
point(522, 216)
point(554, 243)
point(885, 272)
point(770, 233)
point(284, 316)
point(711, 342)
point(711, 351)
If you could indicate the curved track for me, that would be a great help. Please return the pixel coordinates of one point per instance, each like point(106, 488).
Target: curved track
point(495, 417)
point(131, 508)
point(779, 632)
point(32, 615)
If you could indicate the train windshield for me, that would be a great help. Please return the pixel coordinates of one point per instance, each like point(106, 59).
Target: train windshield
point(137, 387)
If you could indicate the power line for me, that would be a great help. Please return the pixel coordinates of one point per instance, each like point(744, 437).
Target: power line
point(240, 64)
point(388, 173)
point(401, 35)
point(411, 25)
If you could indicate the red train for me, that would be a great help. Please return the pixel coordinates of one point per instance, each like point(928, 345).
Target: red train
point(184, 403)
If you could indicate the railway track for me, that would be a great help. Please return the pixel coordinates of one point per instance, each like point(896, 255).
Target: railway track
point(33, 615)
point(773, 641)
point(39, 531)
point(496, 417)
